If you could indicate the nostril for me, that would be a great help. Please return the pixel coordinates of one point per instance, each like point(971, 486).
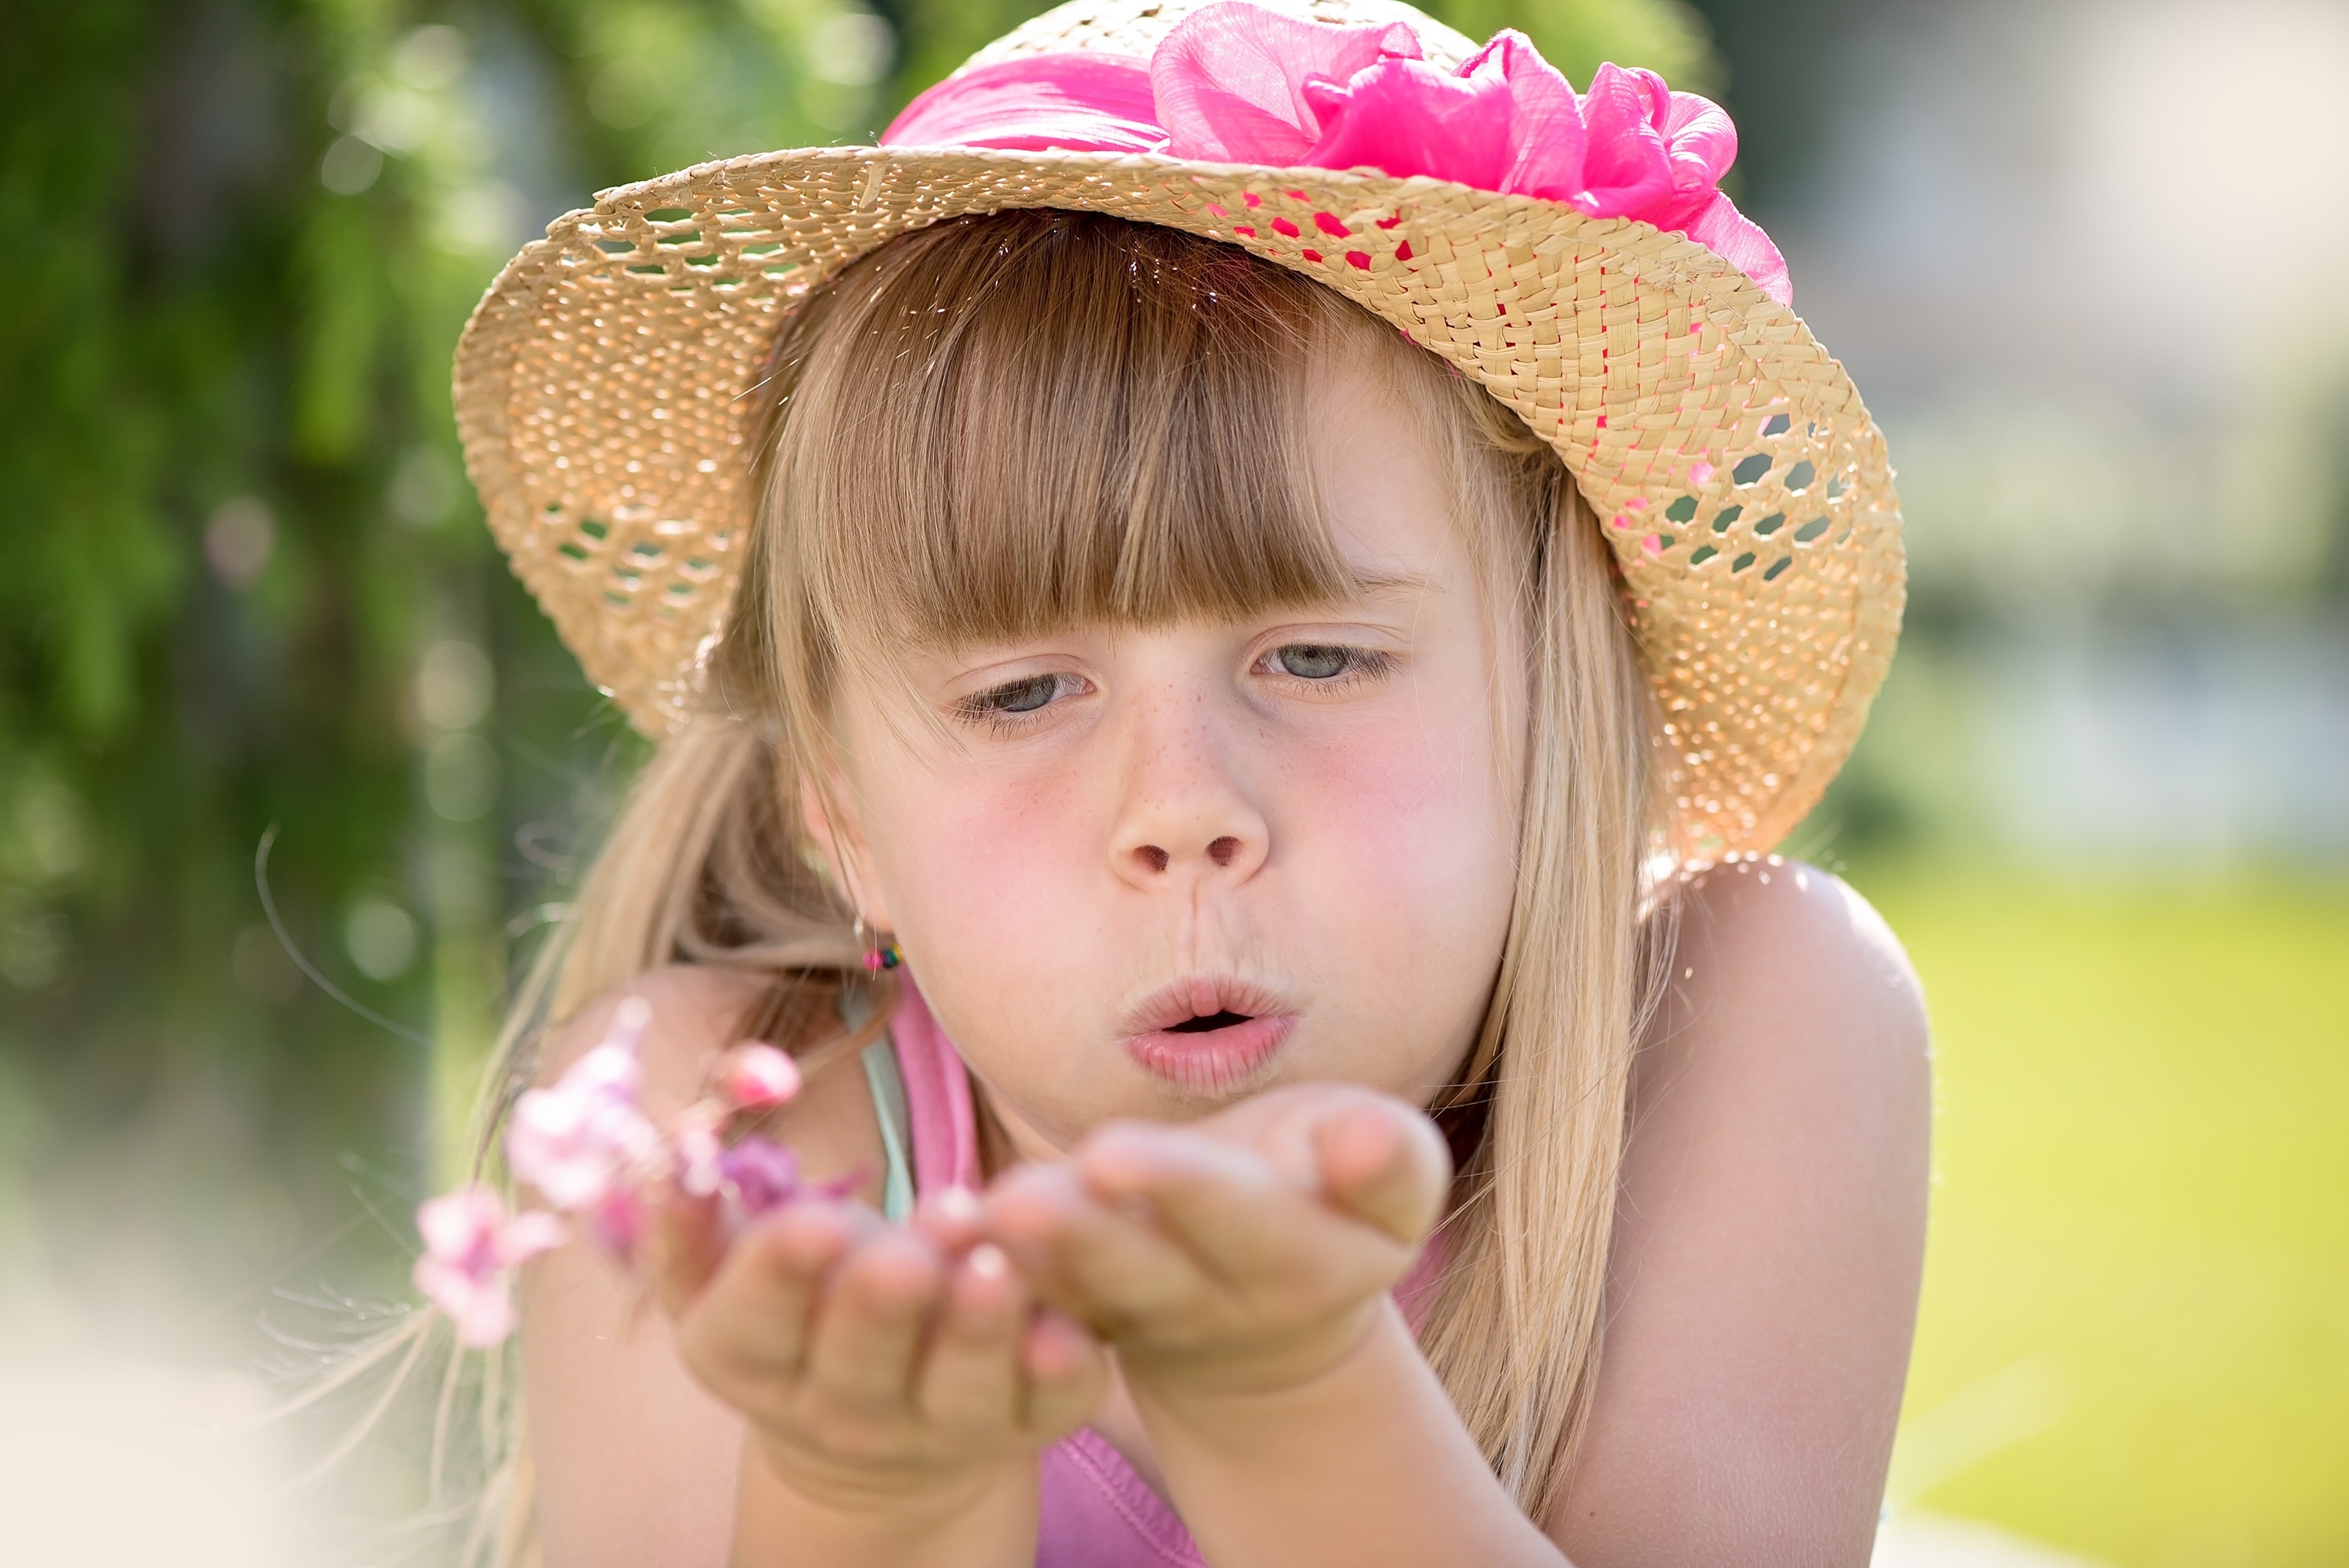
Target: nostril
point(1154, 857)
point(1224, 851)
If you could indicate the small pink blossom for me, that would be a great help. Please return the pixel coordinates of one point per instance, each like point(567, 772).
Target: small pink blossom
point(471, 1250)
point(587, 1145)
point(758, 1076)
point(761, 1175)
point(582, 1139)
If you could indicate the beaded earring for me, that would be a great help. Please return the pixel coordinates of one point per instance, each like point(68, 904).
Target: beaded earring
point(878, 956)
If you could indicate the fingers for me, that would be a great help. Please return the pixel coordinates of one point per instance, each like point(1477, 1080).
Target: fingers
point(1385, 1163)
point(951, 1218)
point(869, 1333)
point(971, 1380)
point(1234, 1212)
point(1371, 1155)
point(1081, 1253)
point(751, 1319)
point(1066, 1374)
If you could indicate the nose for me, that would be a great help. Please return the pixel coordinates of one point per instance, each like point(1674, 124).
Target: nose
point(1186, 815)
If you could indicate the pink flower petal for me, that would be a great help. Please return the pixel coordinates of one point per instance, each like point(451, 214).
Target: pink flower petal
point(1701, 140)
point(1228, 81)
point(761, 1175)
point(1548, 143)
point(617, 1222)
point(471, 1250)
point(531, 1232)
point(1739, 240)
point(1409, 117)
point(1628, 172)
point(457, 1225)
point(1081, 102)
point(757, 1076)
point(574, 1141)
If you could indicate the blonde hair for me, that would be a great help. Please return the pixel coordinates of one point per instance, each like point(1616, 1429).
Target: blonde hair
point(1139, 395)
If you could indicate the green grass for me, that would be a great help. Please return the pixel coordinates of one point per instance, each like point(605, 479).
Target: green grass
point(2135, 1339)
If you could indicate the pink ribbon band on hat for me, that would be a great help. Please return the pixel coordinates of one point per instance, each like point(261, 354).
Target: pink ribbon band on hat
point(1234, 82)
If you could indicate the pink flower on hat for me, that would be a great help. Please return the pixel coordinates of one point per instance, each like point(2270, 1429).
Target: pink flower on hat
point(583, 1141)
point(1235, 83)
point(471, 1250)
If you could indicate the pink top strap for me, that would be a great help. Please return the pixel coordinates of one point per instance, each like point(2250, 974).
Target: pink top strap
point(938, 1097)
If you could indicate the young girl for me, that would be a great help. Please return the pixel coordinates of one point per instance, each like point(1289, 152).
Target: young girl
point(1227, 612)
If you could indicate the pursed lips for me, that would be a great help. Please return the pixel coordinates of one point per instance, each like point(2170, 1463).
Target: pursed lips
point(1207, 1034)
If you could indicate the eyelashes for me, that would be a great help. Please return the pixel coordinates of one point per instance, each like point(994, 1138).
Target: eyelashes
point(1306, 669)
point(1326, 665)
point(1013, 705)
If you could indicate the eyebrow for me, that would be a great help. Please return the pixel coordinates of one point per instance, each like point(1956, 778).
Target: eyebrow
point(1386, 584)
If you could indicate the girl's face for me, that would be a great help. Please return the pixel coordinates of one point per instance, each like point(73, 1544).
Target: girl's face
point(1143, 872)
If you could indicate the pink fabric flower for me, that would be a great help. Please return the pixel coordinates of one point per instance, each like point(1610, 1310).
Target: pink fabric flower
point(1099, 102)
point(1503, 121)
point(584, 1140)
point(1234, 82)
point(471, 1250)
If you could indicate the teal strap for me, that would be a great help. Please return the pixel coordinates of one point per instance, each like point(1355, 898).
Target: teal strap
point(889, 1088)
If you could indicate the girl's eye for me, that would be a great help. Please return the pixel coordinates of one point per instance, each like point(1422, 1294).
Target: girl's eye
point(1313, 662)
point(1015, 699)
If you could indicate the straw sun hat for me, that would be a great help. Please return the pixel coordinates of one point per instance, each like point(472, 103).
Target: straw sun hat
point(605, 388)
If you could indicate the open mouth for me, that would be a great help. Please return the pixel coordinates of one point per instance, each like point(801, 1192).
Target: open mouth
point(1195, 1025)
point(1212, 1036)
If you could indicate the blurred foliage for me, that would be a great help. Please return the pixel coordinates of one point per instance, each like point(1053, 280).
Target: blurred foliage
point(247, 584)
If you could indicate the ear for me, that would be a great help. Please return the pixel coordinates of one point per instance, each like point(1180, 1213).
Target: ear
point(835, 833)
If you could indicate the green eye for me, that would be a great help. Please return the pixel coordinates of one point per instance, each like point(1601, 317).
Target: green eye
point(1309, 662)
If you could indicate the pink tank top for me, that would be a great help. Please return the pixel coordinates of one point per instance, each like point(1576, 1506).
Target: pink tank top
point(1095, 1511)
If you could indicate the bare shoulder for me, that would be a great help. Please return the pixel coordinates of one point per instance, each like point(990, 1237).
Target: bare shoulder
point(1783, 962)
point(1769, 1236)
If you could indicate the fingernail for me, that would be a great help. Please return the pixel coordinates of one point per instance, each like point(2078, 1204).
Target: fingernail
point(987, 1262)
point(957, 1204)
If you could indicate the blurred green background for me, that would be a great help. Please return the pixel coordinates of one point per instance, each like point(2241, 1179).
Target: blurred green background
point(2104, 799)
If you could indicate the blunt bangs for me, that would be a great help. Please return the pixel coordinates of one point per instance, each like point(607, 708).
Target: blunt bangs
point(1005, 425)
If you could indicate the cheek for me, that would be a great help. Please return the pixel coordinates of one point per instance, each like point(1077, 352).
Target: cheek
point(1409, 826)
point(985, 862)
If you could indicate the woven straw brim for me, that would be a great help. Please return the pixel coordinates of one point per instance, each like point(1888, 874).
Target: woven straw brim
point(606, 399)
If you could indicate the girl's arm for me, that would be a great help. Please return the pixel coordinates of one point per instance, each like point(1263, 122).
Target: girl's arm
point(1768, 1242)
point(1366, 1464)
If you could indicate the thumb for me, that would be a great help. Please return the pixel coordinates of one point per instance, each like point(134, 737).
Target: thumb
point(1384, 1163)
